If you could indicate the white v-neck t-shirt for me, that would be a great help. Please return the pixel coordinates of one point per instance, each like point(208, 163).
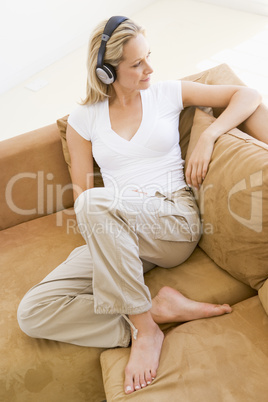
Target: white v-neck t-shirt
point(151, 161)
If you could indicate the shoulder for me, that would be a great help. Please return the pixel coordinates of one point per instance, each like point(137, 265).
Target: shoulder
point(82, 119)
point(168, 85)
point(169, 90)
point(82, 111)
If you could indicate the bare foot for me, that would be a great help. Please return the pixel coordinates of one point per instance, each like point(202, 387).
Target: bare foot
point(145, 353)
point(169, 305)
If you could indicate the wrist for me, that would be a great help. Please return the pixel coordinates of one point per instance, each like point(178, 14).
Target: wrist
point(209, 136)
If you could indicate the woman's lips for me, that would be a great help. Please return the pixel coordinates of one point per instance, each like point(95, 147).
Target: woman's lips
point(146, 80)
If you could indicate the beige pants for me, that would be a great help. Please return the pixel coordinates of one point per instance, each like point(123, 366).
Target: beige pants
point(84, 299)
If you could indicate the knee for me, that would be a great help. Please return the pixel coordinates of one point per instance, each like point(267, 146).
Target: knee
point(27, 318)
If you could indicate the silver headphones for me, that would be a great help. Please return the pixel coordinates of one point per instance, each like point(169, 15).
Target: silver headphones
point(105, 72)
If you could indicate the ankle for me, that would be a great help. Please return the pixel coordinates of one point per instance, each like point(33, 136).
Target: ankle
point(144, 323)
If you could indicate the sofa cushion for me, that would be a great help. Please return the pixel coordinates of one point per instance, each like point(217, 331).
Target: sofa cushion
point(37, 369)
point(233, 203)
point(200, 279)
point(62, 126)
point(216, 359)
point(29, 251)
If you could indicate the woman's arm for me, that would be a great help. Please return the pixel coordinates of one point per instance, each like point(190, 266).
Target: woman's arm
point(81, 161)
point(240, 102)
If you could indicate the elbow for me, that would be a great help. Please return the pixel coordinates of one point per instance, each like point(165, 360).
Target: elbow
point(254, 97)
point(257, 96)
point(250, 98)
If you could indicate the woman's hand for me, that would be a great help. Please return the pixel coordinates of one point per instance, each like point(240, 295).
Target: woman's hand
point(199, 160)
point(238, 102)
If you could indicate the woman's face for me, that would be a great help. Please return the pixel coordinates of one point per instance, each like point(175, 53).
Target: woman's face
point(134, 70)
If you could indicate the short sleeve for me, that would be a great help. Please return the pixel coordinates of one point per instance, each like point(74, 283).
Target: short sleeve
point(81, 120)
point(171, 90)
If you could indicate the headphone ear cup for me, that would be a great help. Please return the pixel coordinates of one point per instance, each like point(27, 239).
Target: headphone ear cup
point(106, 73)
point(110, 71)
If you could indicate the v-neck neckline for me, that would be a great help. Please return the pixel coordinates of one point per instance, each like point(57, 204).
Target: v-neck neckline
point(114, 132)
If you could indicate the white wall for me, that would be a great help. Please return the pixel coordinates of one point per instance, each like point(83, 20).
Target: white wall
point(251, 6)
point(186, 36)
point(36, 33)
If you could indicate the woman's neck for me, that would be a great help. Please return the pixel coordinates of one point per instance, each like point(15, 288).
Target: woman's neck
point(123, 97)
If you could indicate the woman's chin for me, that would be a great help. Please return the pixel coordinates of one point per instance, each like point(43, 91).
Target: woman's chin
point(145, 83)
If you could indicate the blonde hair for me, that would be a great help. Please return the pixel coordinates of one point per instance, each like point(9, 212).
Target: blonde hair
point(96, 91)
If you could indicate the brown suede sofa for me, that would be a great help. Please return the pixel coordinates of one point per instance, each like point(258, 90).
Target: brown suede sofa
point(220, 359)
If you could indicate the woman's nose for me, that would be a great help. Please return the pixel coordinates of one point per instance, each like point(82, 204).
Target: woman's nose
point(148, 68)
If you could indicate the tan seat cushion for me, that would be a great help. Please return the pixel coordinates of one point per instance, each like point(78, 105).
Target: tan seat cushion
point(216, 359)
point(45, 370)
point(35, 369)
point(233, 203)
point(200, 279)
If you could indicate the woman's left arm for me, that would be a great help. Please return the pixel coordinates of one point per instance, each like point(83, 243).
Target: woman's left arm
point(239, 103)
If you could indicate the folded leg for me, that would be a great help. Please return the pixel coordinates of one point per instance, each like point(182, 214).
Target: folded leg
point(61, 308)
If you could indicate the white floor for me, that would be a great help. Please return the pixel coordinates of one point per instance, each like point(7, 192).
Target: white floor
point(186, 36)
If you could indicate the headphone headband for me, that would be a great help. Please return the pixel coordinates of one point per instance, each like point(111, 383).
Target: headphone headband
point(105, 72)
point(112, 24)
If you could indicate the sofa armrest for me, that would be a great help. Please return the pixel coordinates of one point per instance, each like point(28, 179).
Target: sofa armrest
point(34, 177)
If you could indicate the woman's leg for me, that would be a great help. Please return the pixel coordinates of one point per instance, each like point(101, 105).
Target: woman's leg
point(170, 305)
point(61, 308)
point(119, 236)
point(119, 233)
point(175, 236)
point(108, 225)
point(161, 230)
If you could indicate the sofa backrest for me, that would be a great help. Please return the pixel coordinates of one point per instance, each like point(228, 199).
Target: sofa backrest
point(34, 177)
point(234, 196)
point(233, 203)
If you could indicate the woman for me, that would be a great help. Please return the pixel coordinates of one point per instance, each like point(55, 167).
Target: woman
point(144, 216)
